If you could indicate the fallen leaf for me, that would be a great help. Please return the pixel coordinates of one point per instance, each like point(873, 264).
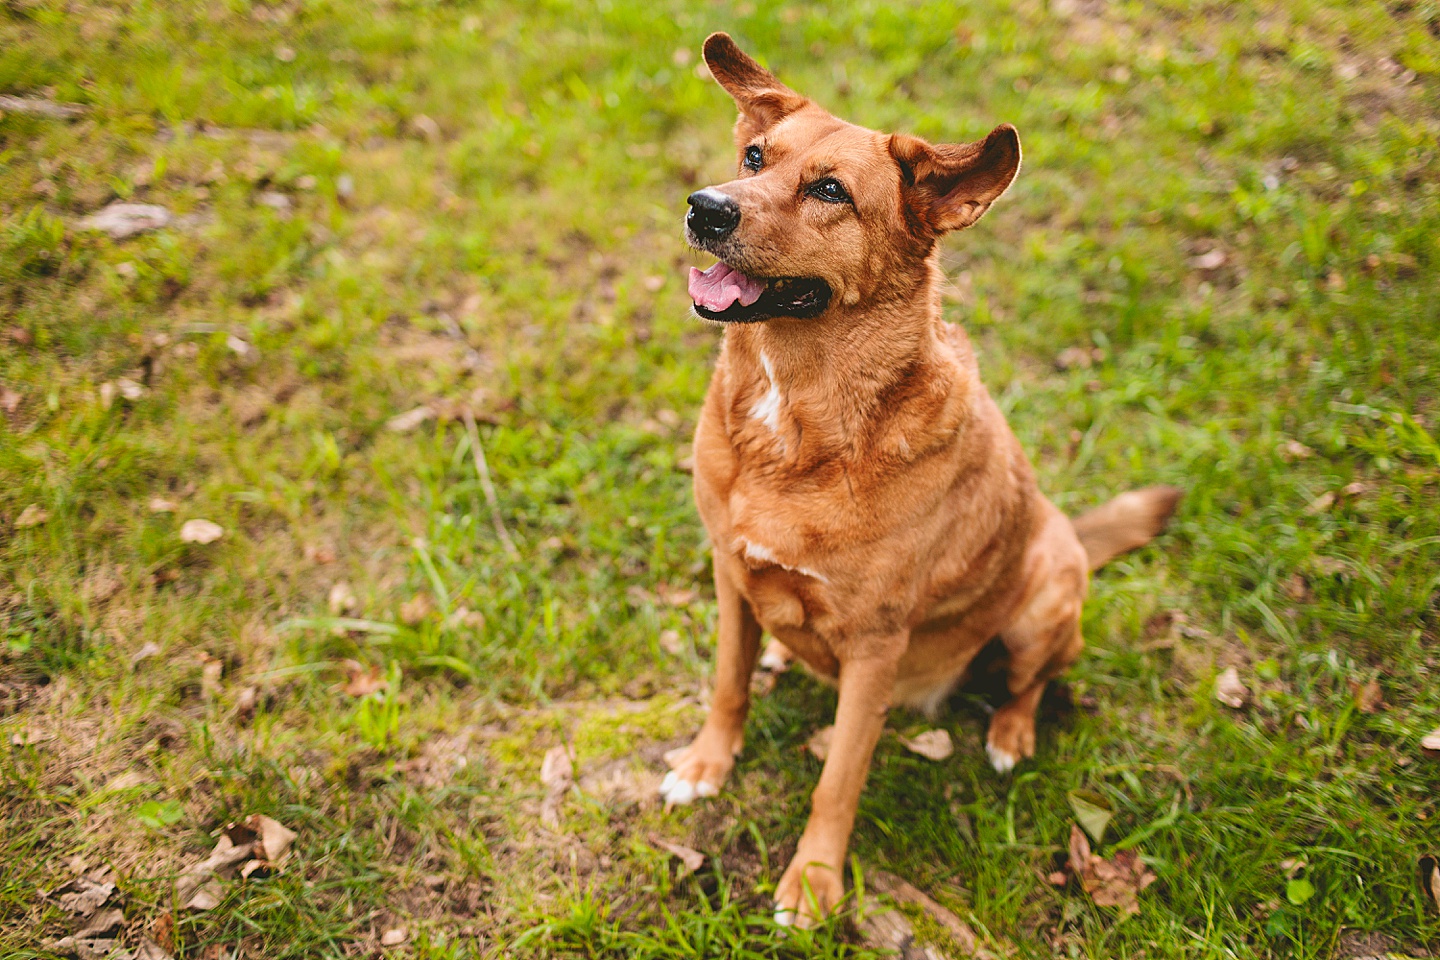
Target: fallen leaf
point(1213, 260)
point(1368, 697)
point(414, 611)
point(1298, 891)
point(150, 649)
point(1230, 689)
point(889, 930)
point(275, 200)
point(342, 599)
point(670, 642)
point(246, 702)
point(394, 937)
point(1292, 866)
point(121, 220)
point(360, 680)
point(692, 860)
point(206, 897)
point(1430, 880)
point(129, 389)
point(676, 596)
point(83, 895)
point(1295, 450)
point(197, 887)
point(201, 531)
point(1320, 504)
point(272, 838)
point(932, 744)
point(405, 422)
point(101, 923)
point(819, 742)
point(161, 505)
point(31, 516)
point(10, 400)
point(1431, 741)
point(150, 950)
point(162, 931)
point(905, 892)
point(1110, 883)
point(1092, 811)
point(557, 773)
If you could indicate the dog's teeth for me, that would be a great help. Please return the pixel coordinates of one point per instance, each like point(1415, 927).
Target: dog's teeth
point(1002, 760)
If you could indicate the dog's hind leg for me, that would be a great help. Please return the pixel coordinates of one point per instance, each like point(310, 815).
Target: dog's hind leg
point(1041, 642)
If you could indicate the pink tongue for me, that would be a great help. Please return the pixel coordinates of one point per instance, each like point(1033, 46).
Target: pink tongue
point(721, 286)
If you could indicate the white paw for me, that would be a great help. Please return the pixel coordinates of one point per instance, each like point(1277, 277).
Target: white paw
point(676, 791)
point(784, 917)
point(775, 659)
point(1002, 760)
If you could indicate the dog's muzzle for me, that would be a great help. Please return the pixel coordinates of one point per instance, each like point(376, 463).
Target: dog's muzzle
point(713, 215)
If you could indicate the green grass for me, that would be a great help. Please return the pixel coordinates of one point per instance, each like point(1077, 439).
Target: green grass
point(484, 209)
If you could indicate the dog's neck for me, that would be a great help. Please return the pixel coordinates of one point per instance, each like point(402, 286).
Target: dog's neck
point(877, 374)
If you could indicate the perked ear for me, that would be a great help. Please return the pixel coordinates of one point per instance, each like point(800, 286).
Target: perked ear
point(763, 100)
point(950, 186)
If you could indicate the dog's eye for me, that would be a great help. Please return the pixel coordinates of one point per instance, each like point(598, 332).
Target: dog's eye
point(754, 158)
point(830, 190)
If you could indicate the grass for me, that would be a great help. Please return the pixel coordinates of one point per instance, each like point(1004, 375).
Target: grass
point(1229, 211)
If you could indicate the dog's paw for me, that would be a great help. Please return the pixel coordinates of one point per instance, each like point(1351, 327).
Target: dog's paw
point(776, 658)
point(807, 892)
point(695, 773)
point(1001, 759)
point(1011, 739)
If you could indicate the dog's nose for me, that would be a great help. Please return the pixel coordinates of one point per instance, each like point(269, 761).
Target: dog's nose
point(713, 215)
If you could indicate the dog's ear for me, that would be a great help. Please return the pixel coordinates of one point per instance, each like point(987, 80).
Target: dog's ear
point(762, 99)
point(950, 186)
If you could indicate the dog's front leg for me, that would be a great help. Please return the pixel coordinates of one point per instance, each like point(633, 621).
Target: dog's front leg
point(813, 883)
point(699, 769)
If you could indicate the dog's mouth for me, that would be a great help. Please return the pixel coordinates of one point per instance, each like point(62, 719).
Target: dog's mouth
point(730, 296)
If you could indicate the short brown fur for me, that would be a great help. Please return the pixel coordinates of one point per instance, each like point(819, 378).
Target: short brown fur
point(868, 504)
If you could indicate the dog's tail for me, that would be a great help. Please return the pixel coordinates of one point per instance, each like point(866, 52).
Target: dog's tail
point(1130, 520)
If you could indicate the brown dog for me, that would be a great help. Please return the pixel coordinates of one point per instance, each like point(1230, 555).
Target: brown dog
point(867, 502)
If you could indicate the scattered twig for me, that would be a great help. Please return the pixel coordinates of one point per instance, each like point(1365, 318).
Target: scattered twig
point(40, 107)
point(483, 470)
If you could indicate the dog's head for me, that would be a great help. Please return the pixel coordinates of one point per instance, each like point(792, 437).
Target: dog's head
point(823, 212)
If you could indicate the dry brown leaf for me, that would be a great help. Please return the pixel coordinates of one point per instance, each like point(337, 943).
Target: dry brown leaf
point(342, 599)
point(1430, 880)
point(394, 937)
point(161, 505)
point(1295, 450)
point(557, 773)
point(676, 596)
point(932, 744)
point(10, 400)
point(1368, 697)
point(889, 929)
point(31, 516)
point(1431, 741)
point(360, 680)
point(101, 924)
point(1231, 690)
point(122, 220)
point(197, 889)
point(201, 531)
point(1213, 260)
point(670, 642)
point(414, 611)
point(1320, 504)
point(148, 949)
point(83, 895)
point(819, 742)
point(692, 860)
point(1110, 883)
point(150, 649)
point(409, 420)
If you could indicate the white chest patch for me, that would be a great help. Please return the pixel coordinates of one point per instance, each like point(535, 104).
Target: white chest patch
point(767, 408)
point(759, 553)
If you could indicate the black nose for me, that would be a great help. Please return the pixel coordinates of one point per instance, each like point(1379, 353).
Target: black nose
point(712, 215)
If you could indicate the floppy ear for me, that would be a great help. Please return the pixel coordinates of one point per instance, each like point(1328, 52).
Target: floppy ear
point(763, 100)
point(950, 186)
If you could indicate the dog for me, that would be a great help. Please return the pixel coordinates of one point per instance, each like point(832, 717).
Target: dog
point(868, 505)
